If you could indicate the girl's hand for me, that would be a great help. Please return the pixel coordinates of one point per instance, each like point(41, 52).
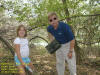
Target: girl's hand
point(70, 55)
point(23, 64)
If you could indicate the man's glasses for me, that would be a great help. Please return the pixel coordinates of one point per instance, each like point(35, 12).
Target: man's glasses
point(53, 19)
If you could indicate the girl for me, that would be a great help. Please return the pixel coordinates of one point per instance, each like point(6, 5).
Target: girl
point(22, 50)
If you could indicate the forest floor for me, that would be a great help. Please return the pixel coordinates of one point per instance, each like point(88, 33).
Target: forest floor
point(45, 64)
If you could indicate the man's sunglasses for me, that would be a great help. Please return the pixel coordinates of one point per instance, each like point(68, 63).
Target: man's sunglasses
point(53, 19)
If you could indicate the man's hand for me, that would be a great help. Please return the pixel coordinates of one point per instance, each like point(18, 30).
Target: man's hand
point(70, 55)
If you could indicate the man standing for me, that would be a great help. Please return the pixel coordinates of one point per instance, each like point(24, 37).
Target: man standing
point(63, 34)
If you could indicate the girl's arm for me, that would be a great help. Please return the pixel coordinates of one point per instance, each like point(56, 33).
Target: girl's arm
point(17, 50)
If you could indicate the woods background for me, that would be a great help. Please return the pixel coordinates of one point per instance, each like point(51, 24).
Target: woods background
point(82, 15)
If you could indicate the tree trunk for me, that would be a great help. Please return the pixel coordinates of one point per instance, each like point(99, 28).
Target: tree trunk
point(77, 48)
point(8, 45)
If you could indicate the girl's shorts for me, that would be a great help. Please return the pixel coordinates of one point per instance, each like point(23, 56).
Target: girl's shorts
point(26, 60)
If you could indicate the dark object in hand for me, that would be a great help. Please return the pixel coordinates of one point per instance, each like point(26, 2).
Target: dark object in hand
point(53, 46)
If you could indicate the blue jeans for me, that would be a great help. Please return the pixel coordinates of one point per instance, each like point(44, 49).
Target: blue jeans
point(26, 60)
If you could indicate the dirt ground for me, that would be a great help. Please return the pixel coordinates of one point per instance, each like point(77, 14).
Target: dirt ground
point(45, 64)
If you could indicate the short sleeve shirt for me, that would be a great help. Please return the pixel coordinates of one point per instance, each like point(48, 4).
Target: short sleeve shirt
point(63, 33)
point(24, 48)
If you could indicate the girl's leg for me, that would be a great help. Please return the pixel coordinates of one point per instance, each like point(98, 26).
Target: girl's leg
point(21, 70)
point(31, 65)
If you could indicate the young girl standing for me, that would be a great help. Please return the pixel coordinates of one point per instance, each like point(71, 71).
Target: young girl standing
point(22, 50)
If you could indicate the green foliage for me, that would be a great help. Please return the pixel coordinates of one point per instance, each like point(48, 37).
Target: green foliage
point(35, 12)
point(1, 9)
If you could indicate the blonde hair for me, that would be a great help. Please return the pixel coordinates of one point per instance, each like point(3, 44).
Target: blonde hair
point(18, 29)
point(52, 14)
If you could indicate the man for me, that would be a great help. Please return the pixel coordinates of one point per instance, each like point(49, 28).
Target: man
point(63, 34)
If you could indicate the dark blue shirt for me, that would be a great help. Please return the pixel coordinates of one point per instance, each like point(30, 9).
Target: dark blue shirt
point(62, 34)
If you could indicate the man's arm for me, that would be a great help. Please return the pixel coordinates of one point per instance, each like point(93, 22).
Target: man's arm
point(51, 38)
point(72, 43)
